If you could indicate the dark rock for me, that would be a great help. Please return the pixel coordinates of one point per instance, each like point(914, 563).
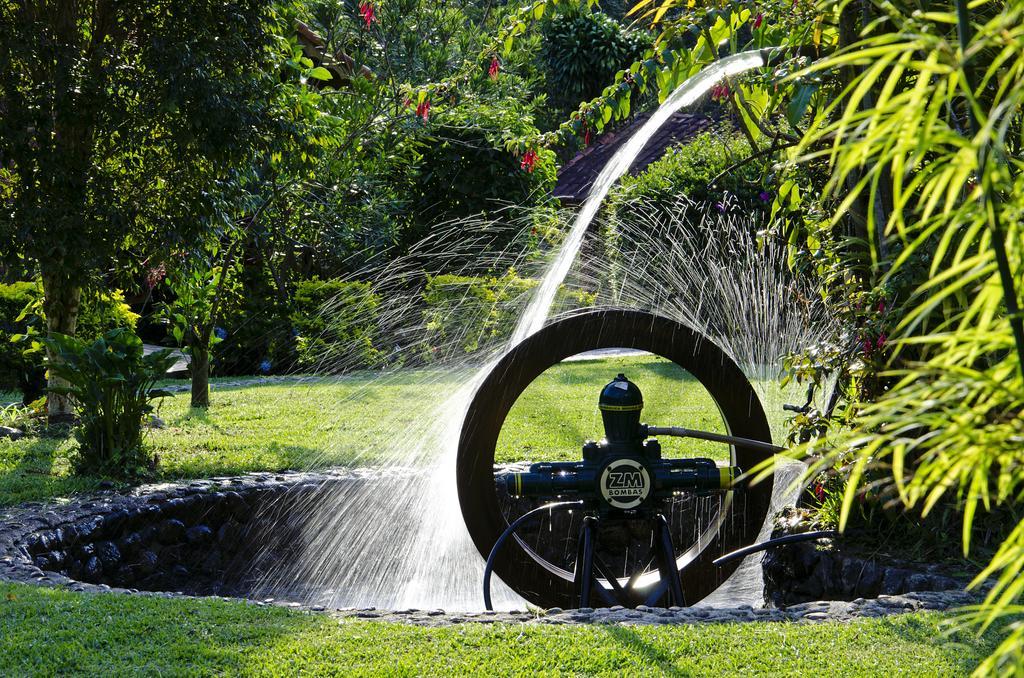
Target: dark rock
point(114, 521)
point(200, 534)
point(93, 569)
point(12, 433)
point(130, 543)
point(228, 534)
point(109, 555)
point(148, 562)
point(171, 531)
point(237, 505)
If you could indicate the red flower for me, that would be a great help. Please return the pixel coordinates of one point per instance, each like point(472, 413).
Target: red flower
point(586, 135)
point(819, 491)
point(423, 110)
point(529, 160)
point(407, 103)
point(495, 67)
point(366, 11)
point(880, 342)
point(758, 20)
point(720, 93)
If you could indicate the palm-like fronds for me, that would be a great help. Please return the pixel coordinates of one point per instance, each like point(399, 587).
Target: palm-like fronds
point(941, 186)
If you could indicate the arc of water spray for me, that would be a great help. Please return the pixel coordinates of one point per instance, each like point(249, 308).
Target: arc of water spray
point(684, 95)
point(439, 565)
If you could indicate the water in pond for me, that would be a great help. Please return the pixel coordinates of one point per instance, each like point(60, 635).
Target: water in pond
point(400, 541)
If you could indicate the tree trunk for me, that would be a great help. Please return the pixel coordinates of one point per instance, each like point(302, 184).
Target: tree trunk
point(200, 369)
point(61, 299)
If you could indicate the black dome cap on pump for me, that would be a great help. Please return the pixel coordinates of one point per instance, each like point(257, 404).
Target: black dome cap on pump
point(620, 403)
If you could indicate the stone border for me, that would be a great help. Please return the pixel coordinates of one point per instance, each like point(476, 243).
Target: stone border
point(21, 524)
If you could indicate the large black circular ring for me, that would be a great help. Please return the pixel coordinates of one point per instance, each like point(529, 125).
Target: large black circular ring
point(740, 407)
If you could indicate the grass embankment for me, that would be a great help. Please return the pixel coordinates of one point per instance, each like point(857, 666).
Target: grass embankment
point(353, 419)
point(53, 632)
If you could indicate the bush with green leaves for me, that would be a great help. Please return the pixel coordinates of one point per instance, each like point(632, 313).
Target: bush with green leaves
point(700, 170)
point(583, 50)
point(22, 319)
point(336, 323)
point(465, 168)
point(465, 313)
point(111, 382)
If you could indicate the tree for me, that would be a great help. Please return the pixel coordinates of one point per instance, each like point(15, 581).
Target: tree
point(120, 126)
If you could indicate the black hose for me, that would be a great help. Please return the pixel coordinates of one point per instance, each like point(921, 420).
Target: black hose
point(505, 535)
point(680, 432)
point(761, 546)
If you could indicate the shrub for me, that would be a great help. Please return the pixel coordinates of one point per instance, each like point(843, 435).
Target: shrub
point(464, 314)
point(111, 383)
point(336, 322)
point(21, 313)
point(688, 169)
point(465, 168)
point(583, 51)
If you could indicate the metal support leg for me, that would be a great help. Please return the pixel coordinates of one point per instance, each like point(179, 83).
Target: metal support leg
point(667, 561)
point(584, 576)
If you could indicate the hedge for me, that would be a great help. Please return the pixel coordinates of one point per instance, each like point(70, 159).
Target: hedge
point(336, 323)
point(465, 314)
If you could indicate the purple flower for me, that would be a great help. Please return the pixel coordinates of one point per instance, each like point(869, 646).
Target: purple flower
point(720, 206)
point(765, 196)
point(265, 366)
point(220, 333)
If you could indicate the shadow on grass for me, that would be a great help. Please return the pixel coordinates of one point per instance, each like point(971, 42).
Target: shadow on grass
point(648, 652)
point(27, 470)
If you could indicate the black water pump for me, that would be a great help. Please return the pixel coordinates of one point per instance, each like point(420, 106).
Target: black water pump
point(625, 472)
point(622, 485)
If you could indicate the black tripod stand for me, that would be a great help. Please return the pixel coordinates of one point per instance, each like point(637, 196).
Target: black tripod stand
point(589, 566)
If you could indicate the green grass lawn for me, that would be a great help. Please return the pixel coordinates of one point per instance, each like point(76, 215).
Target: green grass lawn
point(54, 632)
point(350, 421)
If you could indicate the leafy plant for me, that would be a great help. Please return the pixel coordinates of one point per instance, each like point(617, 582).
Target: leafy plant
point(465, 314)
point(111, 383)
point(927, 134)
point(22, 321)
point(336, 322)
point(700, 169)
point(583, 50)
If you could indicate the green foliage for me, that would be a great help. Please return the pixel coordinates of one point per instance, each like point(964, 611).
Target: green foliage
point(16, 368)
point(255, 324)
point(464, 168)
point(583, 50)
point(22, 320)
point(130, 116)
point(111, 381)
point(464, 314)
point(920, 152)
point(336, 324)
point(696, 169)
point(196, 286)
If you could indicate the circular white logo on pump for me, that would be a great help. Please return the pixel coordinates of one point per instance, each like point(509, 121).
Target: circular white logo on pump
point(625, 484)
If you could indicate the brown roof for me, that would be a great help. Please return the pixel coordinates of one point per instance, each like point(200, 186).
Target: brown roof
point(578, 175)
point(341, 65)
